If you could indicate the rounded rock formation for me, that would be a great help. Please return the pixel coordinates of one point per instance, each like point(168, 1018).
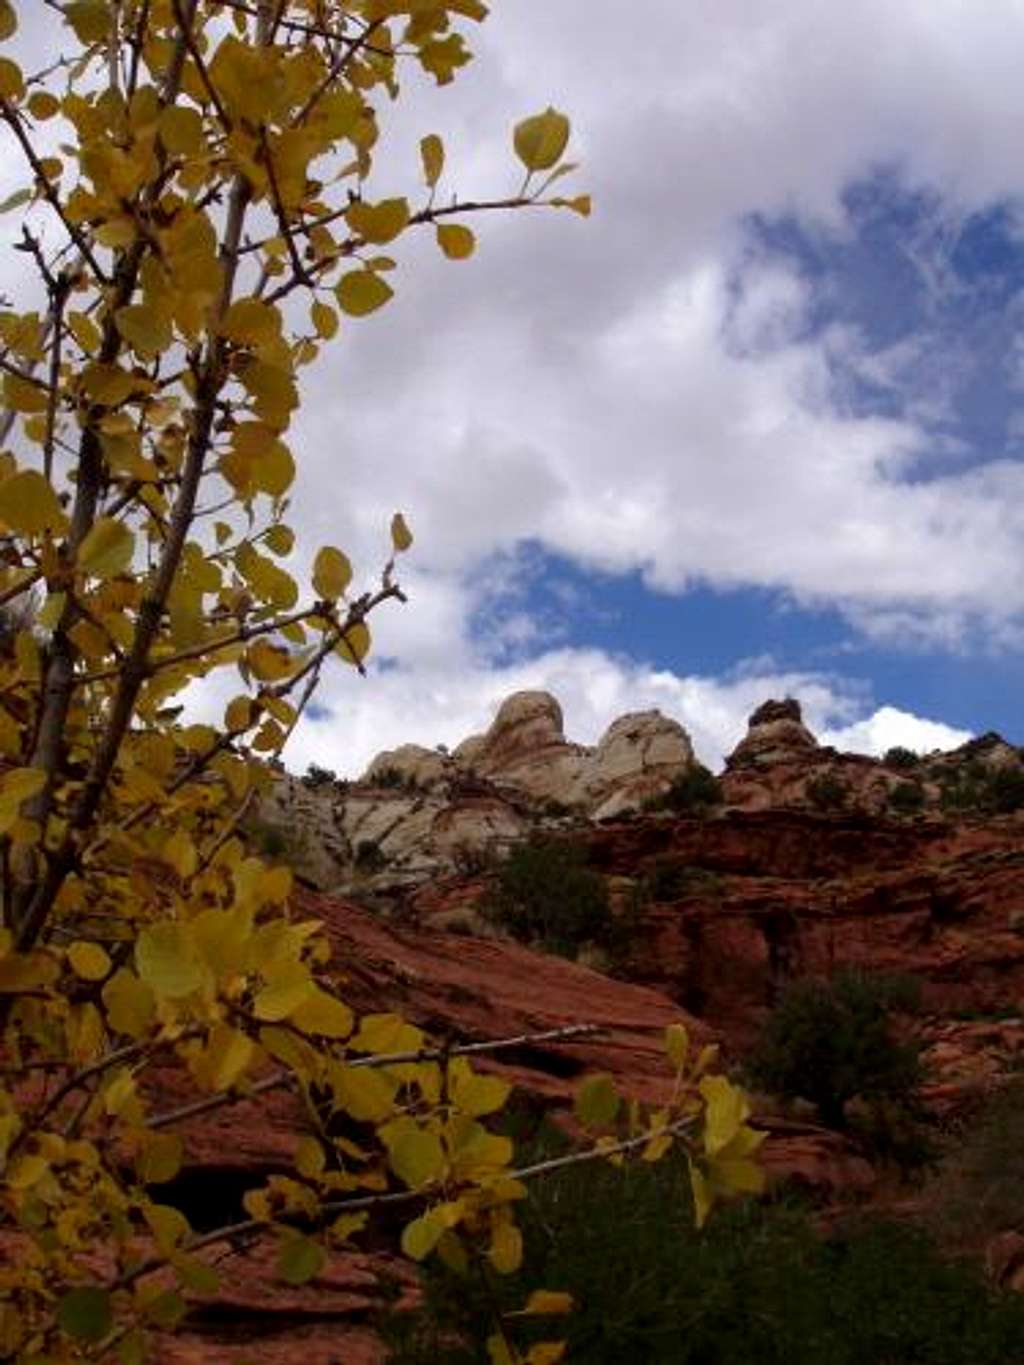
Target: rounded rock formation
point(775, 734)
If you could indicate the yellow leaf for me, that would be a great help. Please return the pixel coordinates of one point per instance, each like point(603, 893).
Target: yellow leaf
point(378, 223)
point(355, 644)
point(107, 549)
point(287, 988)
point(540, 141)
point(597, 1102)
point(473, 1093)
point(251, 322)
point(702, 1200)
point(726, 1108)
point(146, 329)
point(384, 1034)
point(324, 319)
point(363, 1092)
point(457, 242)
point(498, 1350)
point(361, 292)
point(414, 1154)
point(8, 20)
point(89, 960)
point(269, 662)
point(42, 105)
point(677, 1043)
point(401, 536)
point(129, 1003)
point(160, 1158)
point(28, 504)
point(226, 1057)
point(167, 1225)
point(547, 1302)
point(90, 19)
point(85, 332)
point(506, 1250)
point(300, 1260)
point(181, 130)
point(16, 787)
point(21, 395)
point(432, 156)
point(324, 1016)
point(423, 1234)
point(546, 1353)
point(27, 1171)
point(274, 473)
point(581, 204)
point(332, 573)
point(179, 852)
point(12, 82)
point(166, 960)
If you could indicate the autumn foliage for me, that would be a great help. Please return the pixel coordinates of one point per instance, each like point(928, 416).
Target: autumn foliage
point(199, 227)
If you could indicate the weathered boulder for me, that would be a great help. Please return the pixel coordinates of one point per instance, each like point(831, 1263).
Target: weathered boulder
point(638, 756)
point(775, 734)
point(526, 747)
point(410, 765)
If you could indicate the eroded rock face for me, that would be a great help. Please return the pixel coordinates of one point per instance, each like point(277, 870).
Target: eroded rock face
point(776, 734)
point(638, 756)
point(416, 812)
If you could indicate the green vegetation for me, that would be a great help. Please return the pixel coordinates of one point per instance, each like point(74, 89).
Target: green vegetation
point(977, 787)
point(827, 792)
point(694, 792)
point(544, 893)
point(319, 777)
point(906, 798)
point(980, 1188)
point(898, 757)
point(755, 1287)
point(829, 1040)
point(670, 877)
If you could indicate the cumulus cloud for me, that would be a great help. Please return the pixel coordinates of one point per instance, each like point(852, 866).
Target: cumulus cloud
point(648, 390)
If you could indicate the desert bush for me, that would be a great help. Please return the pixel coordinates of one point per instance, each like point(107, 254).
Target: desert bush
point(757, 1286)
point(827, 792)
point(906, 798)
point(1006, 790)
point(544, 893)
point(694, 792)
point(670, 877)
point(319, 777)
point(979, 1191)
point(899, 757)
point(828, 1040)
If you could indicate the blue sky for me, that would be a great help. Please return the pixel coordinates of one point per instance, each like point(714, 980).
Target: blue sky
point(753, 429)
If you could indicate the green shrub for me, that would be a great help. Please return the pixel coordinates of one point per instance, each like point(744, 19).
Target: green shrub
point(670, 877)
point(898, 757)
point(1006, 790)
point(829, 1040)
point(369, 856)
point(827, 792)
point(544, 893)
point(907, 798)
point(694, 792)
point(755, 1287)
point(319, 777)
point(980, 1190)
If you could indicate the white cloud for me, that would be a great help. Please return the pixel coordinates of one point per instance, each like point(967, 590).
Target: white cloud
point(594, 688)
point(639, 391)
point(889, 727)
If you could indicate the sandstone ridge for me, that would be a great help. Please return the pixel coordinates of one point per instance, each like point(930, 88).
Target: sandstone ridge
point(416, 811)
